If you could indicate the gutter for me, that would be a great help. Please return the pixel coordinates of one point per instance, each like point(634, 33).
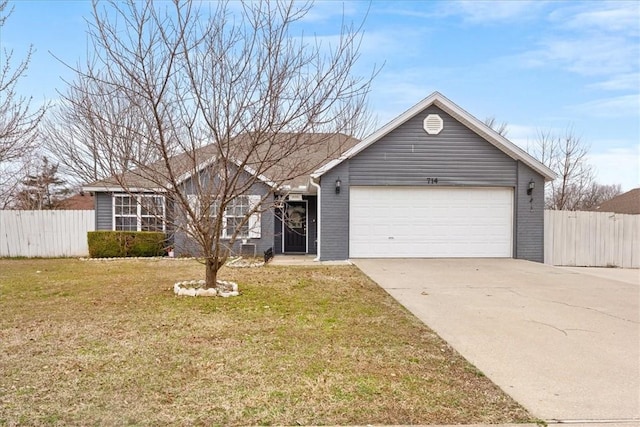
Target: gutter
point(319, 216)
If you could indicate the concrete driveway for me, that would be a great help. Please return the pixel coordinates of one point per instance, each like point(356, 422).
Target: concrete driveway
point(564, 344)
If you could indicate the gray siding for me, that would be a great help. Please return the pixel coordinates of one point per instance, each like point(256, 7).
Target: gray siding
point(456, 156)
point(529, 216)
point(184, 246)
point(334, 215)
point(104, 211)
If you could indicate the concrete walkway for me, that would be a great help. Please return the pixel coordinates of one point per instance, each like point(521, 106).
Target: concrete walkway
point(564, 344)
point(308, 260)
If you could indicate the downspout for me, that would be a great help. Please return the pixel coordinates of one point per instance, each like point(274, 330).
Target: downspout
point(318, 210)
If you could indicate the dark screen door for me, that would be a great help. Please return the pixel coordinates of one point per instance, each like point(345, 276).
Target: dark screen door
point(295, 227)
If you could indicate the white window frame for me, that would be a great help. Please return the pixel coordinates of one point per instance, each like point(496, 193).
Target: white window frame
point(138, 215)
point(254, 224)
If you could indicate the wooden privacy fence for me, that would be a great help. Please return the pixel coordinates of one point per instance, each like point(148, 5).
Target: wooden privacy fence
point(45, 233)
point(591, 239)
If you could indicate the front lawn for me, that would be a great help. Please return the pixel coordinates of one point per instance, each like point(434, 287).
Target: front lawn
point(85, 343)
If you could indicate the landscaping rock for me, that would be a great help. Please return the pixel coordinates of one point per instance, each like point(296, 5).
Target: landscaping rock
point(196, 288)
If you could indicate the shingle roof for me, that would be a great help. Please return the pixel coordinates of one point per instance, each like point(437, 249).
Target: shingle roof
point(626, 203)
point(317, 149)
point(83, 201)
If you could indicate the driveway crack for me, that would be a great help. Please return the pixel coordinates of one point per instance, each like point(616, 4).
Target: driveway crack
point(576, 306)
point(551, 326)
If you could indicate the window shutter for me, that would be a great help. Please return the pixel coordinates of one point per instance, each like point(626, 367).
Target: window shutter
point(194, 204)
point(255, 225)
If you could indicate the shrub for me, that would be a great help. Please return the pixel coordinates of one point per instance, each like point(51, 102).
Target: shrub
point(108, 244)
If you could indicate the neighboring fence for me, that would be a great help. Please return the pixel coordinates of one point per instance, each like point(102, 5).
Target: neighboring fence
point(591, 239)
point(45, 233)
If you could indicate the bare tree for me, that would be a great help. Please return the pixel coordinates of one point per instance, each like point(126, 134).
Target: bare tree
point(226, 93)
point(567, 156)
point(501, 128)
point(94, 134)
point(575, 188)
point(18, 121)
point(598, 194)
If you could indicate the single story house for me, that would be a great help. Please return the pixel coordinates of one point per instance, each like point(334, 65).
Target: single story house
point(433, 182)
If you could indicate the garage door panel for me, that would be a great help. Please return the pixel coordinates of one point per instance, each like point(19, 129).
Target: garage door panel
point(430, 222)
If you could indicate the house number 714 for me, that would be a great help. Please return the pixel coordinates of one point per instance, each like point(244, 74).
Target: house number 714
point(432, 180)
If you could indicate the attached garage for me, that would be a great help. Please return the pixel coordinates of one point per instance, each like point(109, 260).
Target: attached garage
point(435, 182)
point(450, 222)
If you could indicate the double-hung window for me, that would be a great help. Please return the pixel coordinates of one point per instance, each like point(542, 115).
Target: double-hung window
point(141, 212)
point(235, 214)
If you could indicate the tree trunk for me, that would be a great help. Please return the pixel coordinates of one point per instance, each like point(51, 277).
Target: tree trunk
point(211, 266)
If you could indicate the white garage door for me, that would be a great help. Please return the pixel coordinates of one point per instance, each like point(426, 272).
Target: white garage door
point(404, 222)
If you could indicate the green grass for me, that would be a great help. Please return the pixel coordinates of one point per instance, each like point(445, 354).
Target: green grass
point(107, 343)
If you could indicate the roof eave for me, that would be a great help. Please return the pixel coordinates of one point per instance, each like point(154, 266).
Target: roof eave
point(117, 189)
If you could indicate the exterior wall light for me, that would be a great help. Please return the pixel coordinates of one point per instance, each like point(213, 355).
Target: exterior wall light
point(530, 188)
point(338, 184)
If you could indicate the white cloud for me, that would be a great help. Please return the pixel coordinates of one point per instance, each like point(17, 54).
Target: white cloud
point(617, 106)
point(618, 165)
point(608, 17)
point(485, 12)
point(585, 55)
point(593, 39)
point(628, 81)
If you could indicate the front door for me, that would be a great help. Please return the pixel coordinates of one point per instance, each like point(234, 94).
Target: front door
point(295, 227)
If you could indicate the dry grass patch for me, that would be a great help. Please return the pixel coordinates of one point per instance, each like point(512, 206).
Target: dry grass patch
point(86, 343)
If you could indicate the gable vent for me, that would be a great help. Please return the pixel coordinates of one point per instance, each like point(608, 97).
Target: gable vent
point(433, 124)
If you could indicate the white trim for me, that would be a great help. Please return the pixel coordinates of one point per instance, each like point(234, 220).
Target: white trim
point(318, 216)
point(138, 215)
point(254, 222)
point(121, 190)
point(306, 225)
point(251, 171)
point(255, 219)
point(433, 124)
point(457, 112)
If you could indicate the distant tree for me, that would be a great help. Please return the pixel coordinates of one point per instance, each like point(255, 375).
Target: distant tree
point(41, 190)
point(235, 88)
point(501, 128)
point(598, 194)
point(94, 135)
point(18, 120)
point(575, 188)
point(566, 155)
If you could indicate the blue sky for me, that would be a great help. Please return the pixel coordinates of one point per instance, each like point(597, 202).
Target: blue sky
point(537, 65)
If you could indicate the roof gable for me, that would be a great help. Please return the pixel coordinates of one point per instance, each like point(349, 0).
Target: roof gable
point(457, 113)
